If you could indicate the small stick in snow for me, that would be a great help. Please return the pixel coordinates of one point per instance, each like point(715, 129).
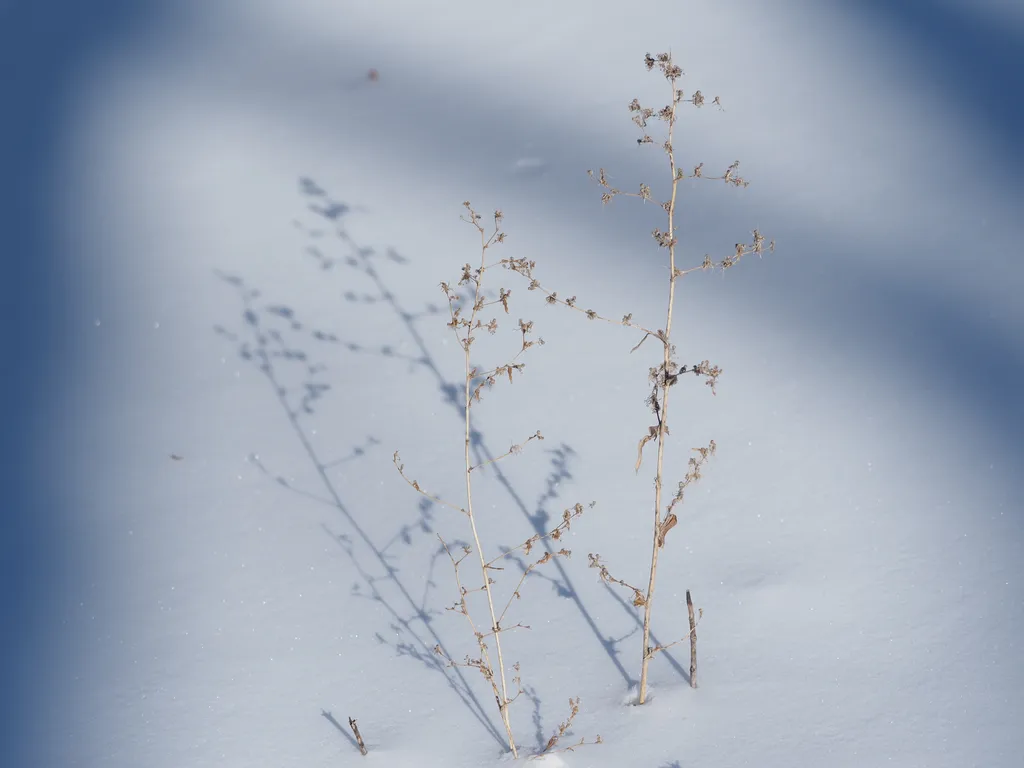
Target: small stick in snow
point(359, 738)
point(693, 641)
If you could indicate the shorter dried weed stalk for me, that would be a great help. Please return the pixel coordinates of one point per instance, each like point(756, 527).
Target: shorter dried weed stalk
point(665, 375)
point(467, 303)
point(359, 737)
point(563, 728)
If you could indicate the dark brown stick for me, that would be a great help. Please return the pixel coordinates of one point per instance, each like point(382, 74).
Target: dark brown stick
point(359, 738)
point(693, 641)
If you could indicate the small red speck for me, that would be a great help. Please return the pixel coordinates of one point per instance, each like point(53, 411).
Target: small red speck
point(373, 75)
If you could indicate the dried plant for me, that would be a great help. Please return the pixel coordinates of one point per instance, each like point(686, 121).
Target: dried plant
point(359, 737)
point(467, 304)
point(563, 728)
point(662, 377)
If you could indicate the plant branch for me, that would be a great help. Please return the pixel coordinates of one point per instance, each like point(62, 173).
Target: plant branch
point(568, 515)
point(692, 633)
point(595, 562)
point(514, 450)
point(525, 268)
point(396, 459)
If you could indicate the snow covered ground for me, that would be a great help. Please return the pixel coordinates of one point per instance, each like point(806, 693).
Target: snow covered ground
point(254, 232)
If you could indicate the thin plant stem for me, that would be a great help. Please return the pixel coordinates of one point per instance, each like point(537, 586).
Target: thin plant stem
point(495, 627)
point(693, 640)
point(663, 420)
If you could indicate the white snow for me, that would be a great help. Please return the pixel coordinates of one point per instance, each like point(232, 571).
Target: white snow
point(259, 229)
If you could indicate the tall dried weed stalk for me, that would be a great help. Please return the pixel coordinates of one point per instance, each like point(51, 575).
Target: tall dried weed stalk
point(666, 374)
point(468, 304)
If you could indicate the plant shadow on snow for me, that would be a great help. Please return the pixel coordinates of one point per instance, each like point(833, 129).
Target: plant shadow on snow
point(279, 344)
point(270, 341)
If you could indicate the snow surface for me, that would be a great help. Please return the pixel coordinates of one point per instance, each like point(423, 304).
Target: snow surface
point(257, 230)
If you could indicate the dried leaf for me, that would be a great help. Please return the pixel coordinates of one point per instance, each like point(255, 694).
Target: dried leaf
point(653, 433)
point(665, 527)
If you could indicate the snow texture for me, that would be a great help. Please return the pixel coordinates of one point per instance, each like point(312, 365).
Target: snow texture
point(256, 227)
